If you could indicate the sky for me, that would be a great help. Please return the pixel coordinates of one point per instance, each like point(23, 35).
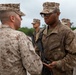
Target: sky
point(32, 9)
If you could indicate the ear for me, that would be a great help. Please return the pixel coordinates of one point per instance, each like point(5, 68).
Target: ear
point(12, 18)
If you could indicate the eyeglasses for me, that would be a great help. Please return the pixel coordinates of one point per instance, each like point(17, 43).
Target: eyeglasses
point(46, 15)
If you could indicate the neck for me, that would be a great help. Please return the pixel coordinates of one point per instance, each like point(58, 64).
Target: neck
point(37, 29)
point(53, 25)
point(10, 25)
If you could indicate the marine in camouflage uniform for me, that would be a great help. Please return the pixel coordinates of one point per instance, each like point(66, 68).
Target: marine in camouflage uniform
point(74, 70)
point(58, 42)
point(16, 51)
point(66, 22)
point(36, 33)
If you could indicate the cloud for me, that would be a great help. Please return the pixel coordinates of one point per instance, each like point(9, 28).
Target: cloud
point(32, 9)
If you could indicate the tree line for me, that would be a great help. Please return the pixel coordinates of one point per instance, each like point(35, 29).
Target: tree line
point(29, 31)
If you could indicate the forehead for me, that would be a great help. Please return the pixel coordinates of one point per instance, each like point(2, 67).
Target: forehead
point(35, 23)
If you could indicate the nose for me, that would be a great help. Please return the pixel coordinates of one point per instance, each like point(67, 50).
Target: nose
point(45, 17)
point(20, 17)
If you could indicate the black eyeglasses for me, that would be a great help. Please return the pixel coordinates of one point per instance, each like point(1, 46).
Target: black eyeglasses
point(46, 15)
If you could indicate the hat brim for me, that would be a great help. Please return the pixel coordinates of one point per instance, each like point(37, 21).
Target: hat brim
point(20, 13)
point(33, 23)
point(46, 11)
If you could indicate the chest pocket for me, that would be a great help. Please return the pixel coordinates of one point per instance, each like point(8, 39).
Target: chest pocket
point(55, 49)
point(52, 42)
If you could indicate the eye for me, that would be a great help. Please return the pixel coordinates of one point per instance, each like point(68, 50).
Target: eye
point(46, 15)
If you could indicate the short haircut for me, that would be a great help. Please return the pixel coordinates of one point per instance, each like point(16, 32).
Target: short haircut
point(4, 15)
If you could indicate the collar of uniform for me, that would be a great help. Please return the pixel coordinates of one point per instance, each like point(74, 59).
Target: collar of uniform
point(55, 30)
point(37, 34)
point(38, 30)
point(4, 26)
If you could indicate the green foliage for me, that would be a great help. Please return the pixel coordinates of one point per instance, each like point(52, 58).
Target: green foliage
point(73, 28)
point(44, 25)
point(27, 31)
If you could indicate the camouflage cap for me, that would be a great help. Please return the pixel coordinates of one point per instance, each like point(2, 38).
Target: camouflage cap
point(35, 21)
point(49, 7)
point(65, 21)
point(11, 7)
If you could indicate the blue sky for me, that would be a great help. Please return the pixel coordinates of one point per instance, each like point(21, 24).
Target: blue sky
point(32, 8)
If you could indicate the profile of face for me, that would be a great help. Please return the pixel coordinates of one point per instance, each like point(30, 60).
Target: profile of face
point(68, 24)
point(17, 22)
point(36, 25)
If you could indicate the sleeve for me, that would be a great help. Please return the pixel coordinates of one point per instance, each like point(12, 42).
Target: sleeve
point(69, 61)
point(31, 61)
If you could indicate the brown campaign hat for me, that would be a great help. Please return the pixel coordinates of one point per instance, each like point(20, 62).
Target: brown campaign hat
point(49, 7)
point(11, 7)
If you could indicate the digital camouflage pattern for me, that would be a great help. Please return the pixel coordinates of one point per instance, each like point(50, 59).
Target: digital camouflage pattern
point(49, 7)
point(74, 71)
point(36, 40)
point(35, 21)
point(74, 31)
point(17, 53)
point(59, 45)
point(11, 7)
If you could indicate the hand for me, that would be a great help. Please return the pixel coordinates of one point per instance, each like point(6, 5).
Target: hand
point(52, 65)
point(47, 65)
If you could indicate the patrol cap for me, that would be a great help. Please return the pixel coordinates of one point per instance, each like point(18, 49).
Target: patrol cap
point(11, 7)
point(35, 21)
point(65, 21)
point(49, 7)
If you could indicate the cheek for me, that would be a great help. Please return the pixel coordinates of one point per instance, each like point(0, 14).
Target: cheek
point(46, 20)
point(18, 23)
point(34, 26)
point(50, 20)
point(53, 18)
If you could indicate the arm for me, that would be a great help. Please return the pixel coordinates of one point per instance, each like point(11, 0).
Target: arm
point(31, 61)
point(69, 61)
